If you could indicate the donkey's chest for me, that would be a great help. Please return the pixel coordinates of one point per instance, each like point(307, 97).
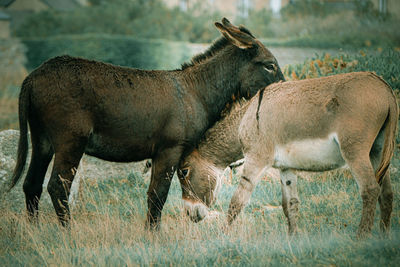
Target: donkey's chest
point(319, 154)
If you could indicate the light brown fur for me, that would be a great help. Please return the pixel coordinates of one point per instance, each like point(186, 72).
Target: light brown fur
point(219, 147)
point(317, 125)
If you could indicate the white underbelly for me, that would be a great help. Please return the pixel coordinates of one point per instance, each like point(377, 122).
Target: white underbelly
point(310, 154)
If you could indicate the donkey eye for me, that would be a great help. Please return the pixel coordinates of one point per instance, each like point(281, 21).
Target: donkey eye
point(185, 172)
point(269, 67)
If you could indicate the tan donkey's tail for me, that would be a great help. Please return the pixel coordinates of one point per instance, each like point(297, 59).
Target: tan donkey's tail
point(390, 138)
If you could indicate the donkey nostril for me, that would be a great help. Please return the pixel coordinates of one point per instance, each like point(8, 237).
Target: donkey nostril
point(187, 212)
point(194, 216)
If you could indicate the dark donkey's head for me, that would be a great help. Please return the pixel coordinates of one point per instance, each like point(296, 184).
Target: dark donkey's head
point(252, 66)
point(257, 69)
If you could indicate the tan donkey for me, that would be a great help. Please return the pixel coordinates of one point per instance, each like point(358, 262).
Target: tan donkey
point(310, 125)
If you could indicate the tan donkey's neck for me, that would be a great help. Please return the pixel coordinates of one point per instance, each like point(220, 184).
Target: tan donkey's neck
point(221, 145)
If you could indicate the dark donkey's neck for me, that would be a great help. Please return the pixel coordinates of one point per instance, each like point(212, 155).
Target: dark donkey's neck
point(221, 145)
point(216, 80)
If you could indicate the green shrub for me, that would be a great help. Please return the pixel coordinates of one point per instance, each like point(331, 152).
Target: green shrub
point(385, 63)
point(119, 50)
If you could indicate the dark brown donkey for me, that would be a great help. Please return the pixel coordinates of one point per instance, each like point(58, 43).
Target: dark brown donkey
point(75, 106)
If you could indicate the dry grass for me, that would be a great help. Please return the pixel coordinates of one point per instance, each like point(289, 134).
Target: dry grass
point(108, 229)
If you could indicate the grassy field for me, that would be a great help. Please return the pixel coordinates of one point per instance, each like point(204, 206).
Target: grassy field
point(108, 229)
point(108, 220)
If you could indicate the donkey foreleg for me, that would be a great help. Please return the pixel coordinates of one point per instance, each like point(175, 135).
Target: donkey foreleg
point(163, 168)
point(290, 199)
point(248, 181)
point(240, 198)
point(66, 163)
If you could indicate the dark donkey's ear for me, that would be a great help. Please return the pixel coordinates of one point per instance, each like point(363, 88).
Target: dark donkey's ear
point(237, 37)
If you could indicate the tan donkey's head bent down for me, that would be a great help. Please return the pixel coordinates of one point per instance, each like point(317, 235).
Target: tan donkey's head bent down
point(315, 125)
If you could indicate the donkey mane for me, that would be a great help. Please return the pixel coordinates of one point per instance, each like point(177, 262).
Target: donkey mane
point(217, 46)
point(234, 109)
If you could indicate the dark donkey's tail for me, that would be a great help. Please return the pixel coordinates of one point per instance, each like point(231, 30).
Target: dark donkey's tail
point(23, 109)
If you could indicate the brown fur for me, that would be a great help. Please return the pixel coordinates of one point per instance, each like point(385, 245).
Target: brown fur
point(218, 148)
point(390, 137)
point(75, 106)
point(315, 125)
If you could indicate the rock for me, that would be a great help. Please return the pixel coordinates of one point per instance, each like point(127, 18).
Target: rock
point(8, 152)
point(89, 168)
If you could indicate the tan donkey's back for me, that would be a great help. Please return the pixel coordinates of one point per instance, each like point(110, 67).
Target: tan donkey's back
point(317, 125)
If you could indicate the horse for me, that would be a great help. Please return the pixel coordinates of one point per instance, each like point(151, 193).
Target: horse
point(75, 106)
point(312, 125)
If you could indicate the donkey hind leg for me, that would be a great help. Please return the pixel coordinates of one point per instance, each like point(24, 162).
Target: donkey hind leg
point(386, 195)
point(163, 168)
point(290, 199)
point(249, 179)
point(42, 153)
point(66, 163)
point(386, 203)
point(364, 174)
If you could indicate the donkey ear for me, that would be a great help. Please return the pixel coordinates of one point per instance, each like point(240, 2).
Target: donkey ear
point(227, 23)
point(234, 35)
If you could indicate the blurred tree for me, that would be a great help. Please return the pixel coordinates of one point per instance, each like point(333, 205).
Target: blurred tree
point(258, 22)
point(96, 2)
point(366, 9)
point(148, 19)
point(305, 8)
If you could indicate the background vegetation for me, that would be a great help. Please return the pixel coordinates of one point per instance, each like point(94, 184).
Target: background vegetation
point(317, 24)
point(12, 73)
point(304, 23)
point(108, 220)
point(120, 50)
point(142, 19)
point(383, 62)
